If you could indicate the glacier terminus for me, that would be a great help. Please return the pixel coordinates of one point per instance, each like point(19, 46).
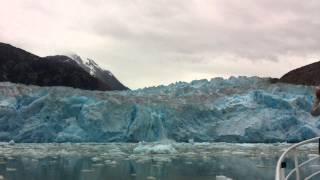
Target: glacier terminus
point(238, 109)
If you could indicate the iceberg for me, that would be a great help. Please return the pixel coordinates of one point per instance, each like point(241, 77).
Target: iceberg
point(155, 149)
point(238, 109)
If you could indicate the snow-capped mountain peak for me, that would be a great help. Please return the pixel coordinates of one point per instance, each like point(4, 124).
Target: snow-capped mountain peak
point(88, 64)
point(76, 58)
point(95, 70)
point(92, 66)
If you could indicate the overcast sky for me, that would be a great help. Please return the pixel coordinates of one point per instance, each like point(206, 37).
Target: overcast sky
point(153, 42)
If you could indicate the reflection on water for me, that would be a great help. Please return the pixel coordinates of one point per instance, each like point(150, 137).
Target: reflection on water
point(82, 168)
point(121, 162)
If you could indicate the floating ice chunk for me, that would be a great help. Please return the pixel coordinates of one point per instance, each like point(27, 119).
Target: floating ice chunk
point(155, 149)
point(10, 158)
point(109, 162)
point(95, 159)
point(117, 153)
point(239, 153)
point(222, 178)
point(151, 178)
point(11, 142)
point(86, 170)
point(11, 169)
point(312, 155)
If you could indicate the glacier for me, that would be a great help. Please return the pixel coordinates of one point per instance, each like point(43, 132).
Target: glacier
point(238, 109)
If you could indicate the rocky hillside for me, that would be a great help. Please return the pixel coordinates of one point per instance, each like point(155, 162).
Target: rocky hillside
point(306, 75)
point(19, 66)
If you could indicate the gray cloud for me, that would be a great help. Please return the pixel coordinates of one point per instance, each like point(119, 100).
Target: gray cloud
point(250, 29)
point(162, 41)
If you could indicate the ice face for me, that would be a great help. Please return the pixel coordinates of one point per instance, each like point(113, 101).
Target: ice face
point(226, 110)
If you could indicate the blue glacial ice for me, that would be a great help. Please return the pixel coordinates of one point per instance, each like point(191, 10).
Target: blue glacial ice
point(242, 109)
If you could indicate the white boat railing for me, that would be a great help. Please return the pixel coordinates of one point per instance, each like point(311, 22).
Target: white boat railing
point(282, 164)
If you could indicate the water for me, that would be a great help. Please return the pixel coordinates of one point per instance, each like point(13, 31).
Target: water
point(138, 161)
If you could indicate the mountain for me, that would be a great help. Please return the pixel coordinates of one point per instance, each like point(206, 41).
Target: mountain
point(306, 75)
point(95, 70)
point(20, 66)
point(244, 110)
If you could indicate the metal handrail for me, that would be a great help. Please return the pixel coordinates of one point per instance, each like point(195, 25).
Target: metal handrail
point(301, 165)
point(281, 164)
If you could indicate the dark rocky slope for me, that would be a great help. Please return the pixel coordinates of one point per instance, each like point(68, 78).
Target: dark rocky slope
point(19, 66)
point(93, 69)
point(306, 75)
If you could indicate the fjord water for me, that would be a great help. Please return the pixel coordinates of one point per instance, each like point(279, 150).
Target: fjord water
point(170, 161)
